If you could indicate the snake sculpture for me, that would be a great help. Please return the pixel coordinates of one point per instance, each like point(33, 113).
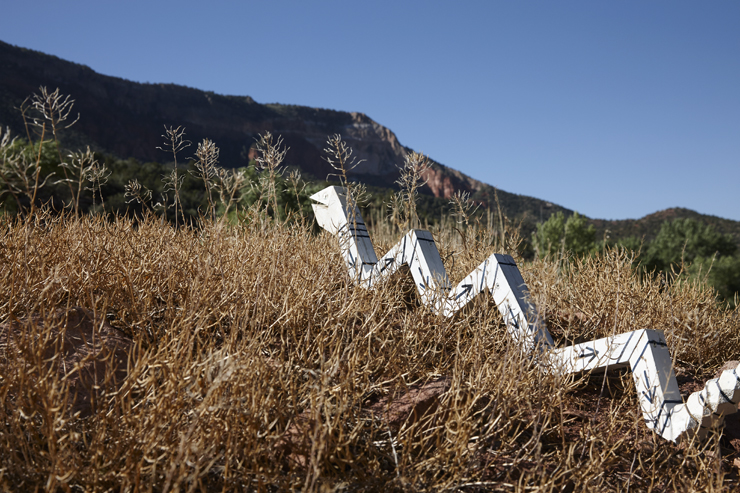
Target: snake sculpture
point(644, 351)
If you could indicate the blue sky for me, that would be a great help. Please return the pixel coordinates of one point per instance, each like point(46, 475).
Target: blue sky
point(615, 109)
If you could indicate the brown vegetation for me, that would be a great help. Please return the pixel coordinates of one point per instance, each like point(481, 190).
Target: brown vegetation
point(253, 364)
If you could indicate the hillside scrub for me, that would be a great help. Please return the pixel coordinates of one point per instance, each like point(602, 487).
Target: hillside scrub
point(558, 235)
point(255, 365)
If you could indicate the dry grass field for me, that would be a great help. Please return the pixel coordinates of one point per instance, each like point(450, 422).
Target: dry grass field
point(137, 356)
point(236, 355)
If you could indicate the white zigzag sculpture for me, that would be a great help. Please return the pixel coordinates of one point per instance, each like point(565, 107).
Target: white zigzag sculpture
point(644, 351)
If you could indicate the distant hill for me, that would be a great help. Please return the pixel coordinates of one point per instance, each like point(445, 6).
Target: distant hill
point(126, 119)
point(648, 226)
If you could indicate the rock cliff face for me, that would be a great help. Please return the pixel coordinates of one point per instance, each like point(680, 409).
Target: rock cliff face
point(127, 119)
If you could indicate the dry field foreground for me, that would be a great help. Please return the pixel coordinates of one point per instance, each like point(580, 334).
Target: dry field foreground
point(138, 357)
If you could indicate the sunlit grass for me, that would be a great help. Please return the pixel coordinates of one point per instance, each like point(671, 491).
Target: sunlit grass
point(255, 365)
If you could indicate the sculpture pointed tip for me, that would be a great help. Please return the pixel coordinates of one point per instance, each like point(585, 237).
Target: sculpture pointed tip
point(326, 195)
point(328, 215)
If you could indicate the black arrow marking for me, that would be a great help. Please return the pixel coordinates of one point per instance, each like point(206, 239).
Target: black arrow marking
point(514, 322)
point(590, 355)
point(650, 393)
point(466, 290)
point(424, 281)
point(388, 262)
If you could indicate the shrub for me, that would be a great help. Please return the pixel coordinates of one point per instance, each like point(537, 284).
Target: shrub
point(558, 234)
point(683, 240)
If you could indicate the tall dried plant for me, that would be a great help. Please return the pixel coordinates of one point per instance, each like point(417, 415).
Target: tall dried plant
point(174, 142)
point(98, 175)
point(21, 173)
point(229, 185)
point(8, 165)
point(297, 185)
point(464, 209)
point(136, 192)
point(206, 168)
point(271, 153)
point(54, 109)
point(77, 171)
point(340, 157)
point(412, 178)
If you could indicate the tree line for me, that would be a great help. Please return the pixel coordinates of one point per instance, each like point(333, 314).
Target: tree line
point(683, 249)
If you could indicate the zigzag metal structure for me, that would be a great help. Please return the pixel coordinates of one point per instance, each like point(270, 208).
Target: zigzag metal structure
point(644, 351)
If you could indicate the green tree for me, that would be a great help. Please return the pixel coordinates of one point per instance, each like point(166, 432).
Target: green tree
point(28, 171)
point(572, 235)
point(681, 241)
point(698, 252)
point(630, 243)
point(722, 273)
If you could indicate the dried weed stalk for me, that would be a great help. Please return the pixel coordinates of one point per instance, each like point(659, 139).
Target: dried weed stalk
point(270, 155)
point(21, 173)
point(411, 180)
point(135, 191)
point(206, 168)
point(98, 175)
point(77, 171)
point(174, 142)
point(53, 109)
point(297, 186)
point(229, 185)
point(340, 157)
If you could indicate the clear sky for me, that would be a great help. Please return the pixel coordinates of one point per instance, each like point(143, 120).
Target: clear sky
point(616, 109)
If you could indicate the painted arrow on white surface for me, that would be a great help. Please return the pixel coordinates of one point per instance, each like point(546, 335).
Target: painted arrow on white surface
point(644, 352)
point(498, 274)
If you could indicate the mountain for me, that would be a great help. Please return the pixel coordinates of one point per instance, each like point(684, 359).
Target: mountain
point(127, 119)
